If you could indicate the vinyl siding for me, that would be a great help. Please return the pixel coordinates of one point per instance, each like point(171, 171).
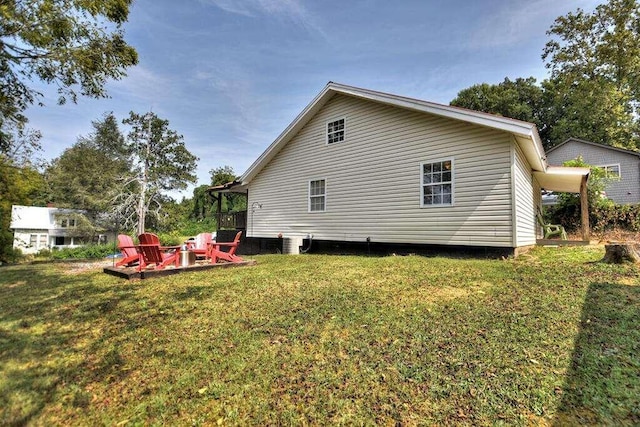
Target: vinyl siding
point(373, 180)
point(627, 189)
point(525, 202)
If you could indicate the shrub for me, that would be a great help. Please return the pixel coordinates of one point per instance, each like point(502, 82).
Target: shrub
point(13, 255)
point(567, 211)
point(82, 252)
point(611, 216)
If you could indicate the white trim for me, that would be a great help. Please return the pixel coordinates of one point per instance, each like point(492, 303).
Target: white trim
point(344, 131)
point(317, 195)
point(422, 184)
point(514, 198)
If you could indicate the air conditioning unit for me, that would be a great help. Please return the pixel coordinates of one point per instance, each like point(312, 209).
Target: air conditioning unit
point(291, 245)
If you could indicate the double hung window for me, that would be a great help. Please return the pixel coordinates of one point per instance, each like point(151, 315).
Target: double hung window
point(317, 195)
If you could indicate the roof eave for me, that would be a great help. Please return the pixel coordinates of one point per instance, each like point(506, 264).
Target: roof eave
point(521, 130)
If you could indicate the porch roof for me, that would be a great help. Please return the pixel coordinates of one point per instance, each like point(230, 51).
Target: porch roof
point(562, 178)
point(229, 187)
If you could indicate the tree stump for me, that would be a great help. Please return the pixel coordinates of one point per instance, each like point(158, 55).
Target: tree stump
point(621, 252)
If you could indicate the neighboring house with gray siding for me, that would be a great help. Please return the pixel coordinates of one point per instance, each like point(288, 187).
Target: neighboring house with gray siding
point(622, 166)
point(358, 165)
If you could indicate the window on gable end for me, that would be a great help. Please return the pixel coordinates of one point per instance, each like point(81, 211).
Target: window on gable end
point(335, 131)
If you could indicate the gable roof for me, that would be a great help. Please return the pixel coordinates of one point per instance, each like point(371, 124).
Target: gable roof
point(595, 144)
point(525, 133)
point(36, 217)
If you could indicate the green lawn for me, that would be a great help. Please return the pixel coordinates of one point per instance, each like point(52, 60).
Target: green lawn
point(552, 337)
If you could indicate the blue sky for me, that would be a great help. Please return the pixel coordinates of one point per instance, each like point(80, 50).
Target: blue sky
point(230, 75)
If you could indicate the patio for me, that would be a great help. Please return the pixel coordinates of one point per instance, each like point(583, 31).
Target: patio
point(130, 273)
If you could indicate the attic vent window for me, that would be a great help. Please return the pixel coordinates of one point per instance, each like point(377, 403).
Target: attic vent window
point(335, 131)
point(437, 183)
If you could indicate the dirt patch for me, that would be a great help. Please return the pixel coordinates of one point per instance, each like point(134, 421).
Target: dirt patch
point(83, 266)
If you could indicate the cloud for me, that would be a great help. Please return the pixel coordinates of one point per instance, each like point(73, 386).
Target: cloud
point(289, 10)
point(142, 85)
point(520, 21)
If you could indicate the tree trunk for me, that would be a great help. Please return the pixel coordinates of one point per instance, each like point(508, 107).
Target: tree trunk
point(618, 253)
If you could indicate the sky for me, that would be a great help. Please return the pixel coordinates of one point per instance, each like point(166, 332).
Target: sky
point(230, 75)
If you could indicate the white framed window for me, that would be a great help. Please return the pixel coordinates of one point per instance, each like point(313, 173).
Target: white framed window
point(39, 241)
point(437, 183)
point(336, 131)
point(611, 171)
point(317, 195)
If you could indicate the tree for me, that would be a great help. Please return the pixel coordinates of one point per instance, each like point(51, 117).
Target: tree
point(161, 163)
point(88, 174)
point(592, 110)
point(76, 45)
point(520, 99)
point(20, 184)
point(595, 73)
point(222, 175)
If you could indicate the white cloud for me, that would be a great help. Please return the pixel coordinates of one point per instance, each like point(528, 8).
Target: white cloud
point(290, 10)
point(520, 21)
point(142, 85)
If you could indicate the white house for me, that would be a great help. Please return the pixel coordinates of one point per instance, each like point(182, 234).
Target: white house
point(36, 228)
point(358, 165)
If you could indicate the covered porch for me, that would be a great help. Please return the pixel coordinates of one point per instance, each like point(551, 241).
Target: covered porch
point(228, 220)
point(567, 180)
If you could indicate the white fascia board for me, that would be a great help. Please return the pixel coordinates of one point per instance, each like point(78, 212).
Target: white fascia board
point(525, 133)
point(562, 178)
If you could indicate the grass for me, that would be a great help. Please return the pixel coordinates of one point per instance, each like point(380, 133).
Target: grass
point(552, 337)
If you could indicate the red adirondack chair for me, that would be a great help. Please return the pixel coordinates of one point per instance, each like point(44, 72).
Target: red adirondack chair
point(200, 244)
point(151, 253)
point(130, 255)
point(215, 253)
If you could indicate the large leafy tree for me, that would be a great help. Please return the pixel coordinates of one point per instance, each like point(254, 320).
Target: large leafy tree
point(594, 87)
point(520, 99)
point(593, 91)
point(21, 183)
point(160, 163)
point(88, 174)
point(76, 45)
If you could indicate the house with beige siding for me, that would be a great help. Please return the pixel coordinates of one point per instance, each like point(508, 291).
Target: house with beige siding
point(622, 167)
point(358, 165)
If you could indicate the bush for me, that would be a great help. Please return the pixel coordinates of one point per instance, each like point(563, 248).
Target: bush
point(173, 238)
point(193, 228)
point(13, 255)
point(607, 217)
point(82, 252)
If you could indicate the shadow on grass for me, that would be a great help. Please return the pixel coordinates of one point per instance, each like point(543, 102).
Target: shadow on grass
point(50, 322)
point(603, 382)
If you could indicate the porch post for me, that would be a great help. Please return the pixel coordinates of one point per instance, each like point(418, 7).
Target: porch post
point(584, 209)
